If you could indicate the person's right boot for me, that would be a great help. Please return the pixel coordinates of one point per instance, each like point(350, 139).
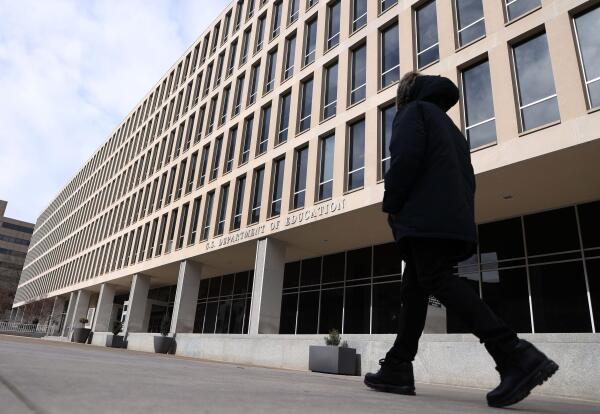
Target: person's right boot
point(393, 376)
point(522, 367)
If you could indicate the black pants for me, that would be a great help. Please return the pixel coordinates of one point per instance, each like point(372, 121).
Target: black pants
point(429, 271)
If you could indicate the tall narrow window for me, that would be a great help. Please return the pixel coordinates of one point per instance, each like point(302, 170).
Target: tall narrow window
point(300, 170)
point(201, 113)
point(386, 121)
point(333, 24)
point(238, 15)
point(182, 224)
point(384, 5)
point(207, 215)
point(358, 74)
point(171, 233)
point(226, 27)
point(245, 148)
point(271, 70)
point(152, 240)
point(306, 89)
point(215, 38)
point(588, 42)
point(216, 161)
point(535, 83)
point(171, 184)
point(277, 187)
point(245, 47)
point(257, 187)
point(265, 121)
point(426, 34)
point(389, 55)
point(330, 91)
point(326, 148)
point(290, 56)
point(356, 155)
point(161, 234)
point(191, 172)
point(480, 123)
point(231, 58)
point(359, 14)
point(239, 91)
point(219, 72)
point(285, 102)
point(207, 79)
point(516, 8)
point(224, 105)
point(238, 202)
point(310, 42)
point(222, 213)
point(230, 154)
point(203, 165)
point(470, 23)
point(253, 87)
point(276, 19)
point(180, 179)
point(250, 9)
point(310, 3)
point(197, 88)
point(212, 115)
point(260, 34)
point(194, 222)
point(294, 11)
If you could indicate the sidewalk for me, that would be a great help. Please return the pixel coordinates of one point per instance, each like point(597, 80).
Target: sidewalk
point(39, 376)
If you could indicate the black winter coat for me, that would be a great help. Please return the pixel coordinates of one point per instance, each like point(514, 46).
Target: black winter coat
point(430, 185)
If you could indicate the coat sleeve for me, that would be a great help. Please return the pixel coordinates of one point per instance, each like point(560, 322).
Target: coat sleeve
point(407, 152)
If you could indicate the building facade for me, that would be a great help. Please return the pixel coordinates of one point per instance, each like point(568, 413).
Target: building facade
point(242, 195)
point(15, 236)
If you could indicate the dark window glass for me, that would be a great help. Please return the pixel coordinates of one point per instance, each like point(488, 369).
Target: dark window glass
point(254, 76)
point(229, 156)
point(294, 10)
point(593, 272)
point(386, 308)
point(239, 90)
point(330, 91)
point(516, 8)
point(199, 320)
point(265, 122)
point(260, 34)
point(222, 210)
point(333, 267)
point(359, 14)
point(501, 240)
point(210, 318)
point(589, 220)
point(308, 313)
point(387, 119)
point(426, 34)
point(284, 117)
point(290, 52)
point(257, 194)
point(310, 272)
point(358, 74)
point(551, 232)
point(310, 42)
point(390, 56)
point(305, 105)
point(357, 310)
point(207, 215)
point(480, 122)
point(238, 202)
point(276, 20)
point(333, 25)
point(215, 287)
point(216, 161)
point(559, 298)
point(505, 291)
point(326, 167)
point(203, 290)
point(241, 283)
point(245, 149)
point(535, 83)
point(358, 264)
point(287, 320)
point(586, 27)
point(386, 4)
point(470, 23)
point(300, 178)
point(237, 316)
point(386, 260)
point(223, 316)
point(277, 186)
point(332, 302)
point(291, 275)
point(271, 70)
point(227, 285)
point(356, 155)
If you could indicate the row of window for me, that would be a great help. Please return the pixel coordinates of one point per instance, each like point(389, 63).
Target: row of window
point(17, 227)
point(15, 240)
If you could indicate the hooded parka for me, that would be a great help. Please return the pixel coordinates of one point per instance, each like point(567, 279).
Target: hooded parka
point(430, 185)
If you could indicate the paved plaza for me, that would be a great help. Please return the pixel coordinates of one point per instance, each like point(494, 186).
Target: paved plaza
point(38, 376)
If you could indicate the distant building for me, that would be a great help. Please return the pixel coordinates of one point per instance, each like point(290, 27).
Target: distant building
point(15, 236)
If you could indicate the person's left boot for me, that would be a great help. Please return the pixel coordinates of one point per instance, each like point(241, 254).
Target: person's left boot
point(521, 368)
point(393, 376)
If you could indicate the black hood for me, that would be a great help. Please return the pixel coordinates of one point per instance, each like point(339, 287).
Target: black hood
point(435, 89)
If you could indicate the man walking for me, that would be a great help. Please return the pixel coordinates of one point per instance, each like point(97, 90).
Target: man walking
point(429, 196)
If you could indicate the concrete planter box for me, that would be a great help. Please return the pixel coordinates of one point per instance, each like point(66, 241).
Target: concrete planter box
point(117, 342)
point(81, 335)
point(332, 359)
point(162, 344)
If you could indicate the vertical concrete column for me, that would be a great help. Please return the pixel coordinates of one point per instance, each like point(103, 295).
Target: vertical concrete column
point(138, 298)
point(186, 297)
point(80, 309)
point(69, 315)
point(104, 308)
point(268, 286)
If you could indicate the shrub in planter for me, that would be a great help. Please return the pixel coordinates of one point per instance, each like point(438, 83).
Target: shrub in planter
point(163, 343)
point(117, 340)
point(333, 358)
point(81, 335)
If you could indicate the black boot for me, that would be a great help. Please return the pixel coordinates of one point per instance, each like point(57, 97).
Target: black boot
point(393, 376)
point(522, 367)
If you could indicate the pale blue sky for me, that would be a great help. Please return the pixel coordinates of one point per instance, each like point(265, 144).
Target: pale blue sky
point(70, 70)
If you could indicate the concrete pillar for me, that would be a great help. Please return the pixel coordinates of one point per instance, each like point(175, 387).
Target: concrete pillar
point(80, 310)
point(186, 297)
point(70, 309)
point(104, 308)
point(268, 285)
point(138, 298)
